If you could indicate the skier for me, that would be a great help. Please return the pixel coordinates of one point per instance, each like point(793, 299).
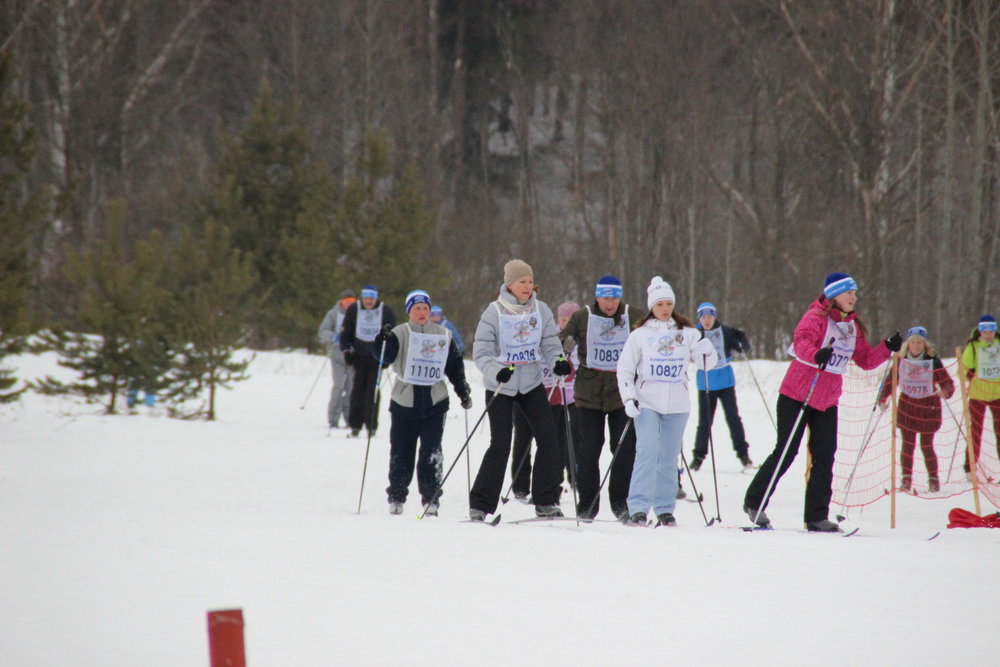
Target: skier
point(437, 316)
point(599, 334)
point(515, 338)
point(719, 384)
point(652, 381)
point(422, 354)
point(981, 357)
point(362, 322)
point(829, 335)
point(922, 380)
point(343, 375)
point(520, 460)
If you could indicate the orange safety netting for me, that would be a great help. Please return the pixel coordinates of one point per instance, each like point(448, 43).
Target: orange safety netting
point(865, 428)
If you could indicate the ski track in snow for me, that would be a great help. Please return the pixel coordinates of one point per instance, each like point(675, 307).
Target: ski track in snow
point(118, 534)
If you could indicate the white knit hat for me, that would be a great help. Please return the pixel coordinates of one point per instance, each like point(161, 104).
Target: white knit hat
point(657, 291)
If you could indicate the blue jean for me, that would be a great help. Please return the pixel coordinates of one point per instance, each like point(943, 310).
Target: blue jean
point(654, 475)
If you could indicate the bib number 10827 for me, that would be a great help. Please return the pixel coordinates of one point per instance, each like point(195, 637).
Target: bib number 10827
point(665, 371)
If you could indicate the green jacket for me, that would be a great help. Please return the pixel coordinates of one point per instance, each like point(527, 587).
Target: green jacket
point(596, 390)
point(981, 389)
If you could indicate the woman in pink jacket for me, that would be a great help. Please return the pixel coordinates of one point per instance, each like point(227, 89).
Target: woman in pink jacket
point(828, 336)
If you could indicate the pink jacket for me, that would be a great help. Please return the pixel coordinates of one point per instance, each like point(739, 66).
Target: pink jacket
point(808, 339)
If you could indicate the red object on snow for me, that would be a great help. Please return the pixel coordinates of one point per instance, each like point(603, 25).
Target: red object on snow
point(959, 518)
point(225, 638)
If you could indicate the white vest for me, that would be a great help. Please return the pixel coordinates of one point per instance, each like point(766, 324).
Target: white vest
point(426, 356)
point(605, 341)
point(368, 324)
point(988, 363)
point(520, 338)
point(714, 336)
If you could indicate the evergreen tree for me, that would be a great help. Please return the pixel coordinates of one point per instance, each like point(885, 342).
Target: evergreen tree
point(213, 292)
point(20, 213)
point(264, 181)
point(123, 337)
point(393, 226)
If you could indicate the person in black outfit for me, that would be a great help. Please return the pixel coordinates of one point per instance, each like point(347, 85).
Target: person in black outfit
point(421, 352)
point(362, 324)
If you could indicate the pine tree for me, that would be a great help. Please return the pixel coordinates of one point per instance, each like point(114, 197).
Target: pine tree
point(123, 337)
point(393, 226)
point(20, 212)
point(264, 182)
point(214, 302)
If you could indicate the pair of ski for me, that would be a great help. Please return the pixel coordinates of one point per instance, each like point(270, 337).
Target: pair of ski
point(754, 529)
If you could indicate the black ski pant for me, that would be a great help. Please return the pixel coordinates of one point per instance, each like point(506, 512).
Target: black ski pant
point(403, 435)
point(520, 459)
point(546, 474)
point(588, 457)
point(822, 445)
point(707, 415)
point(364, 402)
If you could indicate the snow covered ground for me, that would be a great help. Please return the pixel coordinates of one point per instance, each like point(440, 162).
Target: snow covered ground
point(118, 534)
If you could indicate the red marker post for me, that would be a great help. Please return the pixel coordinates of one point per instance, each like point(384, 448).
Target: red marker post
point(225, 638)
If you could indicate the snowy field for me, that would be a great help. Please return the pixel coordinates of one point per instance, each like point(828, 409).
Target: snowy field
point(118, 534)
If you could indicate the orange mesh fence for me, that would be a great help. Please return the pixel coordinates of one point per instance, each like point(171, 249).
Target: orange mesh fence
point(863, 466)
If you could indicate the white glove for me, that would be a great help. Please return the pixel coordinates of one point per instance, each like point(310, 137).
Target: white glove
point(704, 346)
point(632, 408)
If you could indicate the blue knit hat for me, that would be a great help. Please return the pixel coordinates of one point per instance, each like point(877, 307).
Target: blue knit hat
point(918, 331)
point(838, 283)
point(369, 292)
point(707, 308)
point(417, 296)
point(437, 310)
point(608, 286)
point(987, 323)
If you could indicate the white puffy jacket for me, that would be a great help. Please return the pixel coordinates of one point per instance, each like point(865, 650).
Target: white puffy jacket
point(663, 397)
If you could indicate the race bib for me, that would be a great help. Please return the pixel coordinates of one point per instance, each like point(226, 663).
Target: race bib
point(844, 335)
point(605, 341)
point(665, 356)
point(988, 363)
point(714, 336)
point(520, 338)
point(916, 377)
point(425, 358)
point(368, 324)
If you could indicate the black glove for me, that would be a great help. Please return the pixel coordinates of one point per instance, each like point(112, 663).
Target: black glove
point(466, 401)
point(894, 342)
point(505, 374)
point(349, 357)
point(383, 334)
point(562, 367)
point(823, 355)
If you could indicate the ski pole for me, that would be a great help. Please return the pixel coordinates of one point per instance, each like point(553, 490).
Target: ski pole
point(378, 382)
point(489, 404)
point(711, 440)
point(611, 465)
point(468, 464)
point(869, 432)
point(520, 464)
point(571, 453)
point(701, 506)
point(760, 391)
point(788, 442)
point(321, 369)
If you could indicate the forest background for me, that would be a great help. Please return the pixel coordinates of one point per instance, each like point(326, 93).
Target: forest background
point(217, 171)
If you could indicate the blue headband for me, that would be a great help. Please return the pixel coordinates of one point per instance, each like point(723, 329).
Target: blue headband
point(608, 291)
point(707, 309)
point(987, 325)
point(369, 292)
point(845, 284)
point(415, 297)
point(917, 331)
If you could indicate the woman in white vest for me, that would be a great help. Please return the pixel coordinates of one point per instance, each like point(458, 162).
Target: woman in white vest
point(922, 381)
point(981, 358)
point(423, 354)
point(515, 339)
point(362, 322)
point(343, 375)
point(653, 382)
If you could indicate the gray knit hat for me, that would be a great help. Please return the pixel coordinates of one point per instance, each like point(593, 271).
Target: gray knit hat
point(516, 269)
